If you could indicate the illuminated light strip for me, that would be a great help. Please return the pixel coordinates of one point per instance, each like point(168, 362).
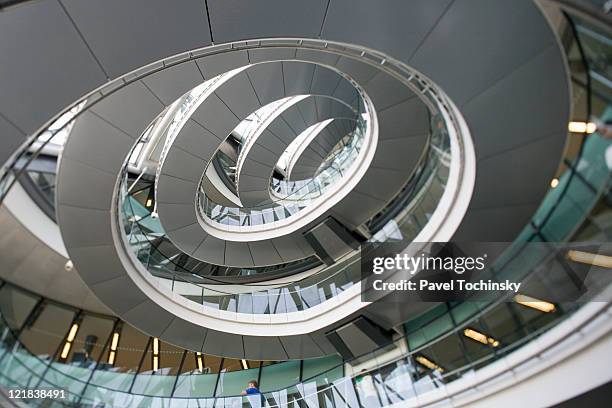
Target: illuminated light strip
point(424, 361)
point(155, 354)
point(245, 365)
point(115, 341)
point(73, 332)
point(480, 337)
point(69, 339)
point(582, 127)
point(66, 350)
point(112, 354)
point(588, 258)
point(541, 305)
point(199, 361)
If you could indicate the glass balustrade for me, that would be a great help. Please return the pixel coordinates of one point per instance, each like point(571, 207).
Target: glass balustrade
point(329, 172)
point(408, 367)
point(145, 238)
point(437, 350)
point(290, 197)
point(181, 111)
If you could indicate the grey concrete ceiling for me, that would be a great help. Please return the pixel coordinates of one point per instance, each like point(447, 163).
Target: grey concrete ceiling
point(29, 263)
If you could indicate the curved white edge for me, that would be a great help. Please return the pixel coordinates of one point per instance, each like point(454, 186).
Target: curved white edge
point(136, 73)
point(303, 142)
point(454, 203)
point(264, 325)
point(219, 185)
point(27, 212)
point(285, 103)
point(441, 227)
point(318, 206)
point(213, 85)
point(455, 200)
point(247, 324)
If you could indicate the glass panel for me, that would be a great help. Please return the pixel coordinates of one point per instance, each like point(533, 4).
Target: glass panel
point(71, 378)
point(196, 385)
point(278, 376)
point(326, 369)
point(109, 379)
point(153, 384)
point(234, 382)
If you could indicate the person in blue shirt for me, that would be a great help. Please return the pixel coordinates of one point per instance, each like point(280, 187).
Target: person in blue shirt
point(251, 388)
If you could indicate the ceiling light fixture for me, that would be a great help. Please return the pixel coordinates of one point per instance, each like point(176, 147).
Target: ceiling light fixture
point(66, 350)
point(155, 362)
point(73, 332)
point(112, 354)
point(199, 361)
point(480, 337)
point(155, 354)
point(427, 363)
point(541, 305)
point(582, 127)
point(554, 182)
point(69, 339)
point(589, 258)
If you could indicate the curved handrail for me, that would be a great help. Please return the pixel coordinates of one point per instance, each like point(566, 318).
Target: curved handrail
point(585, 10)
point(450, 374)
point(348, 272)
point(289, 202)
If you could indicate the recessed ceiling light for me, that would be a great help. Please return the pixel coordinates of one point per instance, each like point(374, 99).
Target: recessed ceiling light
point(73, 332)
point(115, 341)
point(155, 353)
point(66, 350)
point(480, 337)
point(541, 305)
point(424, 361)
point(200, 362)
point(582, 127)
point(155, 363)
point(589, 258)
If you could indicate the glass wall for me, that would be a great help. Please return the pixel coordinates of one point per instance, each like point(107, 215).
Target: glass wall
point(89, 356)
